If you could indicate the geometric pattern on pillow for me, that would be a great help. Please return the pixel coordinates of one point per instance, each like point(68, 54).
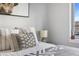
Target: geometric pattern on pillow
point(26, 40)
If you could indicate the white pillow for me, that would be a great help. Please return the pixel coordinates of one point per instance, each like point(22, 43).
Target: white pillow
point(32, 29)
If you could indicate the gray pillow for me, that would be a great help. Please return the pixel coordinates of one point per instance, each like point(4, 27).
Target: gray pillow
point(26, 40)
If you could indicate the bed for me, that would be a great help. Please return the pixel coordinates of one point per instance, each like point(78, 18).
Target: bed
point(45, 49)
point(26, 52)
point(39, 49)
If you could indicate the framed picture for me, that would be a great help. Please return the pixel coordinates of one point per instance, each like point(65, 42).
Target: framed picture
point(14, 9)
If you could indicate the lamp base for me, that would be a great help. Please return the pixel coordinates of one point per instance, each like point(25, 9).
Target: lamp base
point(43, 39)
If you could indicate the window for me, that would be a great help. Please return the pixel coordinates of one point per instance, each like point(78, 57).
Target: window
point(75, 19)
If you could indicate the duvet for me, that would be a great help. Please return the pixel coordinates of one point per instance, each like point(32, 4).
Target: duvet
point(53, 50)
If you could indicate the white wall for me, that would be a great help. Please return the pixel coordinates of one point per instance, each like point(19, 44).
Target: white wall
point(58, 23)
point(37, 18)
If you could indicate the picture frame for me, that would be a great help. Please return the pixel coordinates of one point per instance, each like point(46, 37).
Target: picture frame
point(19, 9)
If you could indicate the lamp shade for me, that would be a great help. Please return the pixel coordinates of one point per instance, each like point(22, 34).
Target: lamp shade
point(43, 33)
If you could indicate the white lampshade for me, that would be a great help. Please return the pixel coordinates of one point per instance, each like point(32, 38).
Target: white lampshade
point(43, 33)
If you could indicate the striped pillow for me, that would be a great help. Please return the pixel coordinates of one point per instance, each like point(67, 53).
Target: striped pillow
point(11, 41)
point(8, 41)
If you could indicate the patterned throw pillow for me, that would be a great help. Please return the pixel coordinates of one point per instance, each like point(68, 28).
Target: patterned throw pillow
point(26, 40)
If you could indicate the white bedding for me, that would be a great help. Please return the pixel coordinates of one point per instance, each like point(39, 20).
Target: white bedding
point(60, 50)
point(23, 52)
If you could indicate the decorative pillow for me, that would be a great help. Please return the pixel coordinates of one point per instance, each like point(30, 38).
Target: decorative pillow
point(28, 30)
point(3, 45)
point(32, 29)
point(26, 40)
point(12, 41)
point(15, 42)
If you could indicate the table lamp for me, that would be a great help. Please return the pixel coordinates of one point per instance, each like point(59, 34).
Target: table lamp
point(43, 35)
